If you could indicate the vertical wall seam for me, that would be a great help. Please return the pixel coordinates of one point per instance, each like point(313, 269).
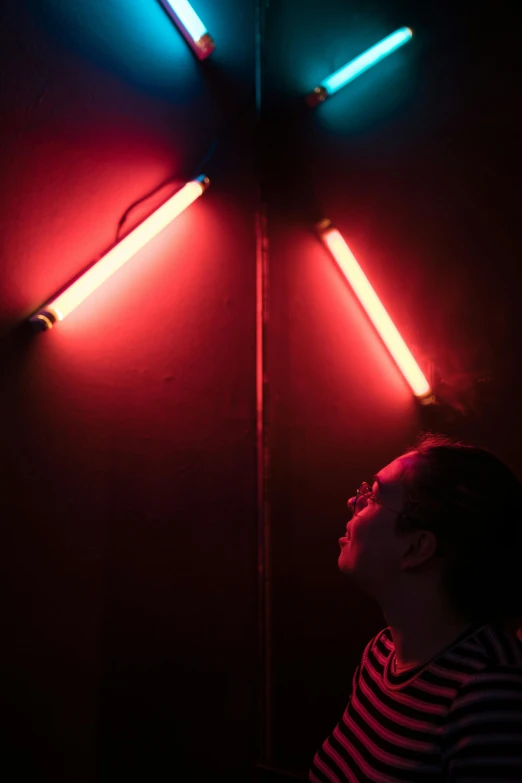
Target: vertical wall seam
point(262, 389)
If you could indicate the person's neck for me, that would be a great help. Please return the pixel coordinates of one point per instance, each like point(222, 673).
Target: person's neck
point(418, 636)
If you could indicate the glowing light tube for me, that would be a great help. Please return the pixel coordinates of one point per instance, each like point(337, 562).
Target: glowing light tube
point(190, 26)
point(60, 307)
point(359, 65)
point(375, 311)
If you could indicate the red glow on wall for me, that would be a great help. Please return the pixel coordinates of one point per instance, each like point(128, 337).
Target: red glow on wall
point(61, 306)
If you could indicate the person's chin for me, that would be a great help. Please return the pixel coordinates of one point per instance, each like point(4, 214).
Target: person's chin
point(342, 562)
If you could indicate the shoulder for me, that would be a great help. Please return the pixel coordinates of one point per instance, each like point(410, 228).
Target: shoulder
point(495, 646)
point(380, 645)
point(481, 735)
point(492, 683)
point(487, 699)
point(483, 660)
point(382, 641)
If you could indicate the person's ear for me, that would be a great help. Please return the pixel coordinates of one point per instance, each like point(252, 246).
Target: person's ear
point(422, 546)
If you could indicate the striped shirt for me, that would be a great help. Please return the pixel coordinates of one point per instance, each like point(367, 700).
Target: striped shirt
point(456, 719)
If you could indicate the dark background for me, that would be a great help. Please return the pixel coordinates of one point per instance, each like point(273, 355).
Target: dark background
point(129, 473)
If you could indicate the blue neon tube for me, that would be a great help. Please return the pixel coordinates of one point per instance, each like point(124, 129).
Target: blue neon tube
point(355, 67)
point(188, 18)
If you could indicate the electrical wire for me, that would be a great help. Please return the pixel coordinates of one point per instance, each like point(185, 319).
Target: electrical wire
point(164, 184)
point(196, 171)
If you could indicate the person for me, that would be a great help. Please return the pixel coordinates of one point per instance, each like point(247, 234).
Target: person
point(436, 540)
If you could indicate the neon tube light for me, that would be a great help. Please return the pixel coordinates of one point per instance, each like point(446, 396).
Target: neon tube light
point(375, 311)
point(60, 307)
point(359, 65)
point(190, 26)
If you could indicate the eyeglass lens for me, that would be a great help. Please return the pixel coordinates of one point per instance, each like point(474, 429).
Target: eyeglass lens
point(362, 492)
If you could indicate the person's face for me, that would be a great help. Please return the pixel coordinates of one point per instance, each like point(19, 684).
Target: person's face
point(372, 551)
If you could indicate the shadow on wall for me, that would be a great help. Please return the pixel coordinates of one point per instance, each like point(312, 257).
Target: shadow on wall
point(136, 41)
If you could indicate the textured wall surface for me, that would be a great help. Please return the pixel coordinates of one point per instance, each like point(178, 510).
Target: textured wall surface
point(415, 164)
point(129, 431)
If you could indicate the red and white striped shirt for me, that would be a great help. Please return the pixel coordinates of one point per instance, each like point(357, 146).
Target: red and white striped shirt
point(456, 719)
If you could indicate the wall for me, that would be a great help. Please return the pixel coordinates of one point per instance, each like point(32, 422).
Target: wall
point(129, 430)
point(413, 162)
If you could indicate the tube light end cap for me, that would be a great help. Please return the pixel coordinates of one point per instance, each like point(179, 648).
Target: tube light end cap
point(43, 321)
point(427, 399)
point(323, 226)
point(204, 47)
point(319, 95)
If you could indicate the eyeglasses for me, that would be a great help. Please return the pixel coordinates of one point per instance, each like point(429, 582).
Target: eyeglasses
point(365, 493)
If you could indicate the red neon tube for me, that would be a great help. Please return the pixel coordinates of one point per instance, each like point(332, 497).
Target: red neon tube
point(60, 307)
point(375, 311)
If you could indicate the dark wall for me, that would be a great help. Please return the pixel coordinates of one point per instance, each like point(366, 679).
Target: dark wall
point(416, 164)
point(129, 437)
point(129, 431)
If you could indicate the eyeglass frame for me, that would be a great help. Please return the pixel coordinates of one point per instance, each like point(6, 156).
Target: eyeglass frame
point(400, 515)
point(368, 492)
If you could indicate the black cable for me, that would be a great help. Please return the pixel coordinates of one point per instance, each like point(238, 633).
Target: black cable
point(164, 184)
point(195, 172)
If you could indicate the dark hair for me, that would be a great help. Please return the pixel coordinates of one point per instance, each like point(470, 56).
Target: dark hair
point(472, 502)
